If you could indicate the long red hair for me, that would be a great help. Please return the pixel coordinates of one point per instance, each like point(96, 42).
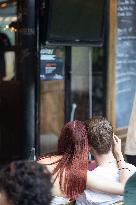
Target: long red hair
point(72, 167)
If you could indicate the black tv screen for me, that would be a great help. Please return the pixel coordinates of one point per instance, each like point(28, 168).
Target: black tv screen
point(75, 22)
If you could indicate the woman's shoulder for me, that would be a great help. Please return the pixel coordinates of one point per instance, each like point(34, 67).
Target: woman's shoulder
point(48, 159)
point(43, 159)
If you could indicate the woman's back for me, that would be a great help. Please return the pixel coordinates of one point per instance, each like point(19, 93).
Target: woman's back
point(50, 164)
point(68, 175)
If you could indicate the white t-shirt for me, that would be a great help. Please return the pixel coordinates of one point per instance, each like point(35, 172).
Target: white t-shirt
point(57, 200)
point(108, 172)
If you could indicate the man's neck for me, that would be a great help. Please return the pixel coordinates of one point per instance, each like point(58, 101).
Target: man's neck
point(104, 158)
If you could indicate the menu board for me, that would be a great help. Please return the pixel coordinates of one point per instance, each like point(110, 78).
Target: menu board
point(125, 61)
point(52, 63)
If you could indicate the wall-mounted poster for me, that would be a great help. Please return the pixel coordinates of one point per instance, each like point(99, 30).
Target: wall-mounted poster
point(52, 63)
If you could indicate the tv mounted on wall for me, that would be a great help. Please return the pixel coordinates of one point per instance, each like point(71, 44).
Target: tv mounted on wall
point(75, 22)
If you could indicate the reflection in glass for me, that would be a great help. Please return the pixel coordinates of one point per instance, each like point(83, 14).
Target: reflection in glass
point(98, 82)
point(52, 61)
point(8, 15)
point(81, 83)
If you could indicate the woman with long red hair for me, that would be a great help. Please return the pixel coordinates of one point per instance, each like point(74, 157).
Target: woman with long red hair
point(69, 166)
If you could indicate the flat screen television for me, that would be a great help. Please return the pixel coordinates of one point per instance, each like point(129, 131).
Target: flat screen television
point(75, 22)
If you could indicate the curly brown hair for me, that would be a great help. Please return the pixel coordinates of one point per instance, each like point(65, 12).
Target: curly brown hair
point(100, 134)
point(26, 182)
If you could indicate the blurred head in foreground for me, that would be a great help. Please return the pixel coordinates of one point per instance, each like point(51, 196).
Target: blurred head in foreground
point(25, 183)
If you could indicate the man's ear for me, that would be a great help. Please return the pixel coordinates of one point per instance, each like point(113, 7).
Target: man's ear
point(91, 149)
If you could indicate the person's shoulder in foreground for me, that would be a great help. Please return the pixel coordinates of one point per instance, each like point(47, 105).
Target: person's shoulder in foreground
point(23, 183)
point(130, 191)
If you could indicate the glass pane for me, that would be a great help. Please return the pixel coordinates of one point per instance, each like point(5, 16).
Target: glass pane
point(98, 82)
point(81, 83)
point(52, 97)
point(88, 84)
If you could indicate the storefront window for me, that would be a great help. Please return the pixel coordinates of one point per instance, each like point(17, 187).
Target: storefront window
point(78, 88)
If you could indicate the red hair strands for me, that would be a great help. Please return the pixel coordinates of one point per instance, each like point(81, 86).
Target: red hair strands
point(72, 167)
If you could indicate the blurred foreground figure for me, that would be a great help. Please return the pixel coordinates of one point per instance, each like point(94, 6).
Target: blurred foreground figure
point(130, 191)
point(25, 183)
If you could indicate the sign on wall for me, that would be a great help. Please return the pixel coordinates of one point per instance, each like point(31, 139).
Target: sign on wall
point(52, 63)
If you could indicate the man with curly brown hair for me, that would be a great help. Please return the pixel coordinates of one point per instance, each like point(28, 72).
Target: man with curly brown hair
point(25, 183)
point(100, 139)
